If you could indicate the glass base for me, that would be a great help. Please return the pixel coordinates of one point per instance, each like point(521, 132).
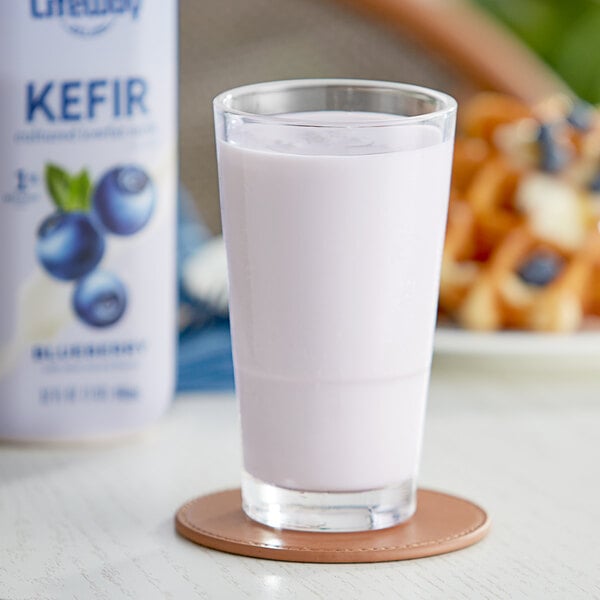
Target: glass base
point(283, 508)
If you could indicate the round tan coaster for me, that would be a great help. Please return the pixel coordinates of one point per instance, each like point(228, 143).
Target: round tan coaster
point(442, 523)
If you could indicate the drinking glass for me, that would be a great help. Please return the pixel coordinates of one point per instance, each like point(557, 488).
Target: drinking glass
point(333, 197)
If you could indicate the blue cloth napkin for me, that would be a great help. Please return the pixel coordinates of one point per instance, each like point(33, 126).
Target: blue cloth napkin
point(204, 361)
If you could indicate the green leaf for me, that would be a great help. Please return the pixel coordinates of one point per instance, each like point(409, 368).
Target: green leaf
point(81, 191)
point(578, 58)
point(58, 184)
point(537, 22)
point(69, 193)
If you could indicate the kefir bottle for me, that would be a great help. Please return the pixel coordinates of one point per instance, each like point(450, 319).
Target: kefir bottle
point(88, 169)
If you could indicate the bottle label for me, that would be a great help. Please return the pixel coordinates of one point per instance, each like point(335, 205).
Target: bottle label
point(87, 215)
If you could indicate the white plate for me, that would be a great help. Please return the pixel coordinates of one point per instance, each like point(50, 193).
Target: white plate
point(459, 342)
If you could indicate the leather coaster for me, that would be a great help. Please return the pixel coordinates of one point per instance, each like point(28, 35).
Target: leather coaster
point(442, 523)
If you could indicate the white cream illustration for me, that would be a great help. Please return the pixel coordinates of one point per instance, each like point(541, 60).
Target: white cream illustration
point(44, 309)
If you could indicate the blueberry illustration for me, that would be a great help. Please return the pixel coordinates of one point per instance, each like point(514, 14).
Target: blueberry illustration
point(100, 299)
point(124, 200)
point(69, 245)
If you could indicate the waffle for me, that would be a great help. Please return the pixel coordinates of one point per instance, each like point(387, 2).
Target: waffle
point(522, 246)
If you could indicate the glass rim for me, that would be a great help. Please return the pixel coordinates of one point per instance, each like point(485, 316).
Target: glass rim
point(222, 102)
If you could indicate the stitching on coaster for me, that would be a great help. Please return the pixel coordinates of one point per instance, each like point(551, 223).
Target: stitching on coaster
point(185, 520)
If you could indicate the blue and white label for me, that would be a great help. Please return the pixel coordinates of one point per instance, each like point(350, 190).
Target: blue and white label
point(87, 215)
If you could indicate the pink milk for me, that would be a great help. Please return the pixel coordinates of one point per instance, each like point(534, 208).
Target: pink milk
point(334, 243)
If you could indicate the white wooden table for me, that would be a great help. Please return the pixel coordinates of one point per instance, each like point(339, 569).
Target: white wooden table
point(96, 521)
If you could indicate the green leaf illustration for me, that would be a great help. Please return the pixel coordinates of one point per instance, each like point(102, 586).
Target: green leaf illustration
point(81, 191)
point(69, 193)
point(58, 184)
